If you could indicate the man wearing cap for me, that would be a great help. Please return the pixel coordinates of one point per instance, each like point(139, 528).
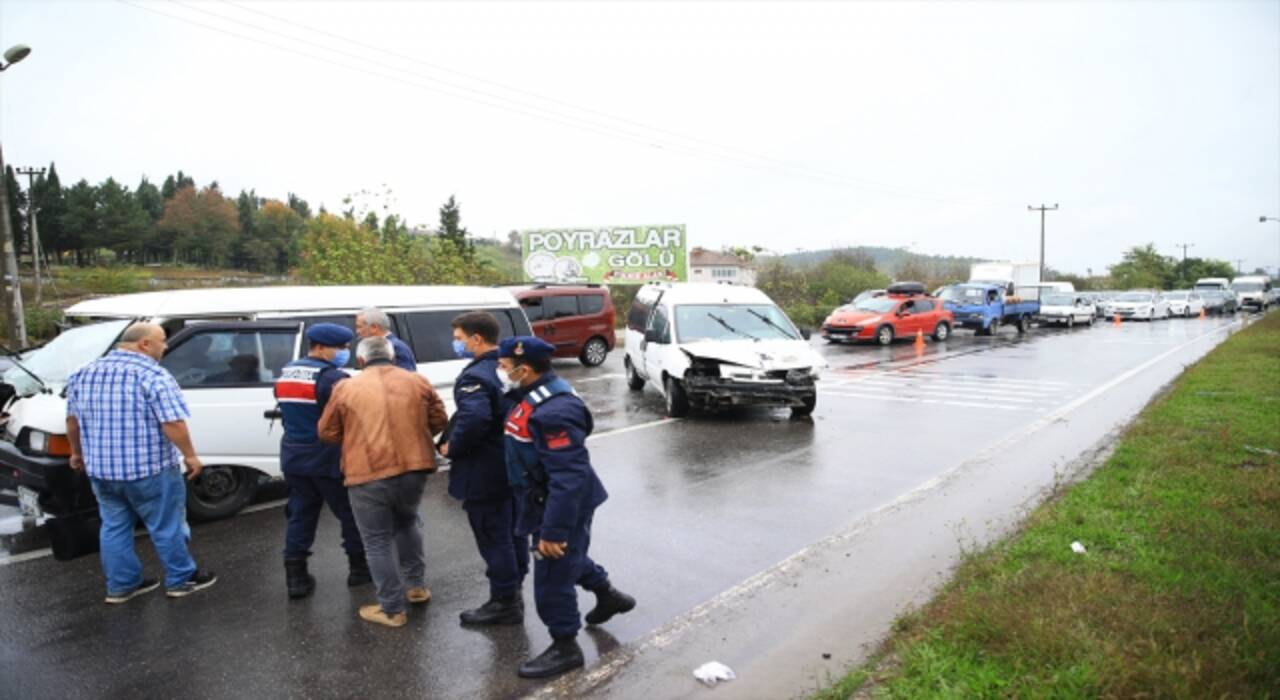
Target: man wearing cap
point(312, 468)
point(547, 460)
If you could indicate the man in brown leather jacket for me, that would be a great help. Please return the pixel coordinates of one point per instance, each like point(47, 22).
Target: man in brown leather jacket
point(385, 419)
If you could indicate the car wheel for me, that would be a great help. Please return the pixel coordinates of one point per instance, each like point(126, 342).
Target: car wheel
point(941, 332)
point(884, 335)
point(594, 352)
point(810, 402)
point(677, 400)
point(220, 492)
point(1091, 320)
point(1024, 325)
point(634, 381)
point(1071, 322)
point(992, 328)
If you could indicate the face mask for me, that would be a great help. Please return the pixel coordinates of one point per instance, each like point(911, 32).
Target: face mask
point(508, 384)
point(460, 349)
point(341, 358)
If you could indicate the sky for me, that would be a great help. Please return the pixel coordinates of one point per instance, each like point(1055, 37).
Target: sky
point(930, 126)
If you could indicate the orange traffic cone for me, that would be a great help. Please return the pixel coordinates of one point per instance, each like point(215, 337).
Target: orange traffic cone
point(1118, 320)
point(1203, 315)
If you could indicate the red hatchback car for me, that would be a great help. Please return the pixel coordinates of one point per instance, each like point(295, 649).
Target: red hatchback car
point(903, 313)
point(577, 319)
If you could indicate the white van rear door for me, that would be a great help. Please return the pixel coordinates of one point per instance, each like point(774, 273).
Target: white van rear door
point(227, 372)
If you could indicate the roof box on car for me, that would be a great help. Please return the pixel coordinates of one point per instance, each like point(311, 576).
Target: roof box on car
point(906, 288)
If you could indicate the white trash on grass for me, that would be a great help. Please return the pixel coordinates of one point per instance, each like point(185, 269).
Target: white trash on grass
point(1077, 548)
point(713, 672)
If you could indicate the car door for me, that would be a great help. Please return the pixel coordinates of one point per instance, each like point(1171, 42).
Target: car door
point(926, 312)
point(227, 373)
point(561, 324)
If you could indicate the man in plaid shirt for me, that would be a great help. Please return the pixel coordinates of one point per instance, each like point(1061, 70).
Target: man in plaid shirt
point(125, 417)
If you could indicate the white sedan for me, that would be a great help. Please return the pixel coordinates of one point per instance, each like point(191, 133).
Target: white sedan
point(1066, 309)
point(1140, 305)
point(1184, 302)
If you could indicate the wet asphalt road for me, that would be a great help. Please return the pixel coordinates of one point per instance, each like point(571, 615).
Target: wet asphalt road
point(698, 507)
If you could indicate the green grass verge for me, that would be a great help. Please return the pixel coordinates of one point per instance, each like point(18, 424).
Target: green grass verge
point(1179, 593)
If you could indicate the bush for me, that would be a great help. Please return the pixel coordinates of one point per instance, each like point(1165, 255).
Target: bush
point(105, 280)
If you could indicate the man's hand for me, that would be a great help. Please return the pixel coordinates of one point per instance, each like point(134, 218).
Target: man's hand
point(77, 463)
point(444, 450)
point(552, 550)
point(194, 467)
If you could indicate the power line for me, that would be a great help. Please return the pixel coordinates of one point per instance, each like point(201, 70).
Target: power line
point(539, 113)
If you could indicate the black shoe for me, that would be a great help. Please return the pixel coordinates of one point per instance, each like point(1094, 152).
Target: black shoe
point(609, 602)
point(498, 611)
point(199, 581)
point(296, 578)
point(563, 655)
point(147, 585)
point(359, 574)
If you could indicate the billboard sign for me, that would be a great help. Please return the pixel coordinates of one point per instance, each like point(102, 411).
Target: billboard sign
point(609, 255)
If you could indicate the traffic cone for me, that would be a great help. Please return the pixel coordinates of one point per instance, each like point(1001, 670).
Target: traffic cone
point(919, 344)
point(1118, 322)
point(1203, 315)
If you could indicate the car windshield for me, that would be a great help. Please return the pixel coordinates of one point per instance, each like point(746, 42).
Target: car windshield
point(1212, 294)
point(869, 294)
point(54, 361)
point(695, 322)
point(1175, 295)
point(1247, 286)
point(879, 305)
point(1134, 296)
point(1058, 300)
point(964, 295)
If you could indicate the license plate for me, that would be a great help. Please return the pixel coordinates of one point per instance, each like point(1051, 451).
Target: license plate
point(29, 503)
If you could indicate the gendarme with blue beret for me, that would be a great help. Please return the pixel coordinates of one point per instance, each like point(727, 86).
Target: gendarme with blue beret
point(330, 335)
point(525, 347)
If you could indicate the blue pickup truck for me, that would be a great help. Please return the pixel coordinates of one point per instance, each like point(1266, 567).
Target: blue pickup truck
point(984, 306)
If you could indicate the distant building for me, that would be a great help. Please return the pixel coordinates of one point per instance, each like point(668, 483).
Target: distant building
point(713, 266)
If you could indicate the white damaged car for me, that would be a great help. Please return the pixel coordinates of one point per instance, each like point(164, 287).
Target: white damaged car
point(705, 346)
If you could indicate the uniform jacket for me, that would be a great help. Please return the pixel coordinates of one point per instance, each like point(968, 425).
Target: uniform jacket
point(302, 391)
point(384, 418)
point(404, 354)
point(478, 468)
point(547, 434)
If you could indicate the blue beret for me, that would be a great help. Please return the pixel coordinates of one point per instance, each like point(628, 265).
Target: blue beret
point(525, 347)
point(330, 334)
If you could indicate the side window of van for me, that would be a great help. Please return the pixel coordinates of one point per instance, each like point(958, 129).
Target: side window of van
point(229, 358)
point(660, 325)
point(638, 316)
point(560, 306)
point(591, 304)
point(431, 332)
point(532, 308)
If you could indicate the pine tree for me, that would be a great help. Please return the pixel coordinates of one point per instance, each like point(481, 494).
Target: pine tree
point(452, 232)
point(51, 206)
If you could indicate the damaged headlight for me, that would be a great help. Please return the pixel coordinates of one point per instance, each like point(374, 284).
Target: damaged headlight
point(800, 377)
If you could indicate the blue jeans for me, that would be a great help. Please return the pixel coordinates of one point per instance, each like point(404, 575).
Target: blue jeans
point(160, 502)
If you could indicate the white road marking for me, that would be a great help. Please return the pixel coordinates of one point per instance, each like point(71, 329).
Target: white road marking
point(730, 598)
point(952, 388)
point(911, 399)
point(599, 378)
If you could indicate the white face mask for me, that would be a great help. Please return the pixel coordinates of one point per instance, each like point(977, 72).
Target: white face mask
point(508, 384)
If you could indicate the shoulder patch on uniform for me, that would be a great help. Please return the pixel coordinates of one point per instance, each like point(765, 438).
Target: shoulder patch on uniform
point(558, 441)
point(471, 389)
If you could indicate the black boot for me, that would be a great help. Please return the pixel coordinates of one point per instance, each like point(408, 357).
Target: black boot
point(498, 611)
point(609, 602)
point(297, 580)
point(563, 655)
point(359, 574)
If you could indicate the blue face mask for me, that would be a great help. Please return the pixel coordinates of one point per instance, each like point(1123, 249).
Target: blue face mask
point(460, 349)
point(342, 357)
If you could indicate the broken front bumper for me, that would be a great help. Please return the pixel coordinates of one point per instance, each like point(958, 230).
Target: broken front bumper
point(710, 391)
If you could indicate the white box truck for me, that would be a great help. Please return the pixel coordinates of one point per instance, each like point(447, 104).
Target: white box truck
point(1018, 278)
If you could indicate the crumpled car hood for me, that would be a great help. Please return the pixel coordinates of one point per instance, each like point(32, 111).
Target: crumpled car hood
point(762, 354)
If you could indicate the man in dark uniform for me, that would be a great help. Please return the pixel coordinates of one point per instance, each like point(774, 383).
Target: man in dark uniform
point(312, 468)
point(547, 460)
point(478, 476)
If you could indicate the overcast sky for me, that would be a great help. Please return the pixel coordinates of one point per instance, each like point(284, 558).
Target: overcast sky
point(783, 125)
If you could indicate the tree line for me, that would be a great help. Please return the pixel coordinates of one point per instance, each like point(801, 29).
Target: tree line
point(181, 223)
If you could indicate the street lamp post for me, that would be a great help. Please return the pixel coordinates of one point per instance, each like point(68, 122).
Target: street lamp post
point(1263, 220)
point(17, 317)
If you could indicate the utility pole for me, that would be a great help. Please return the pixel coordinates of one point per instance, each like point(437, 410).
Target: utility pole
point(1239, 262)
point(1042, 209)
point(1184, 247)
point(17, 317)
point(31, 174)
